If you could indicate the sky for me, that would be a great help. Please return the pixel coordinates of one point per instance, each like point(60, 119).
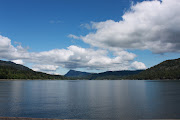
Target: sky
point(54, 36)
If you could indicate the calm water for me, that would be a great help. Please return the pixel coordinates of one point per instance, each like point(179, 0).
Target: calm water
point(82, 99)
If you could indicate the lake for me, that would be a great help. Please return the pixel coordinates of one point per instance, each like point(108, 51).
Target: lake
point(90, 99)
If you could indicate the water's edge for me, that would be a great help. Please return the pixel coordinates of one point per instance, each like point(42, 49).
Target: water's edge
point(22, 118)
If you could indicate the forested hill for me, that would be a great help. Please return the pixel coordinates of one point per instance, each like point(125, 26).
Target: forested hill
point(10, 70)
point(110, 75)
point(169, 69)
point(114, 75)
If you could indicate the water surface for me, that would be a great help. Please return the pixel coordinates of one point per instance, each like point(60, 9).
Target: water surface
point(90, 99)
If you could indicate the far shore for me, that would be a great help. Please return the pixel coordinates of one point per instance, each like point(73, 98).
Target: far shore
point(21, 79)
point(23, 118)
point(80, 79)
point(13, 79)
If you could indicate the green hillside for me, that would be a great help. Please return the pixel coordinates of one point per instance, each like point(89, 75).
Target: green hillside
point(10, 70)
point(169, 69)
point(113, 75)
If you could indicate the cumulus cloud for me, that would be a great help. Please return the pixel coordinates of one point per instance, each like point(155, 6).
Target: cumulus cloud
point(72, 58)
point(138, 65)
point(18, 61)
point(152, 25)
point(76, 57)
point(8, 51)
point(46, 68)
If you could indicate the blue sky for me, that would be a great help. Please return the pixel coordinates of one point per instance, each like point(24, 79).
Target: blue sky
point(47, 23)
point(44, 25)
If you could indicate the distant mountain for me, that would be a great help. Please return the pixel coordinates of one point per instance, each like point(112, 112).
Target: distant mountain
point(114, 74)
point(73, 73)
point(10, 70)
point(101, 76)
point(169, 69)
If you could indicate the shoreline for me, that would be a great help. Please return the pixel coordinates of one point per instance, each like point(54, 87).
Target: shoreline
point(24, 118)
point(81, 79)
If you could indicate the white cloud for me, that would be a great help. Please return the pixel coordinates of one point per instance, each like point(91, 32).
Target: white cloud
point(76, 57)
point(44, 68)
point(73, 57)
point(138, 65)
point(8, 51)
point(152, 25)
point(5, 42)
point(18, 61)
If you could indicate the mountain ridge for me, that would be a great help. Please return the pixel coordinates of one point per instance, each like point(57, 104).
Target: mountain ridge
point(169, 69)
point(74, 73)
point(103, 75)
